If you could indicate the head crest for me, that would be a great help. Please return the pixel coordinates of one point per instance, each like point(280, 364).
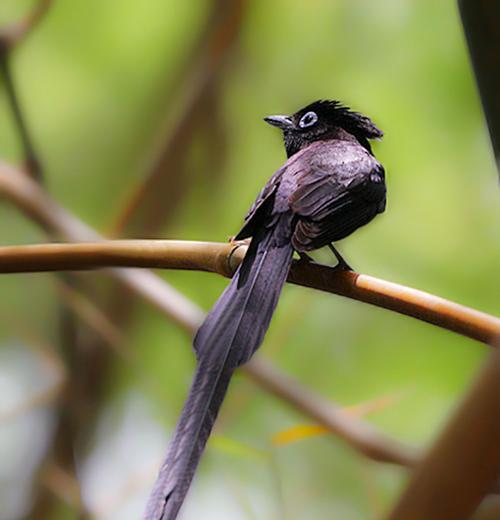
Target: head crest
point(360, 126)
point(323, 120)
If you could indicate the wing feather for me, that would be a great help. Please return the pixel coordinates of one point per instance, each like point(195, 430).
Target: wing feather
point(332, 188)
point(332, 204)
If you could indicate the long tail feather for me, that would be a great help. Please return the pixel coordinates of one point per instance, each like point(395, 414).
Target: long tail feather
point(228, 337)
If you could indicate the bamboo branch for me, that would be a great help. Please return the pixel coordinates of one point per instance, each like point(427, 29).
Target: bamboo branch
point(36, 203)
point(224, 258)
point(464, 463)
point(40, 207)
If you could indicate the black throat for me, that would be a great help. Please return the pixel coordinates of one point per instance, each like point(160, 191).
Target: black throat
point(294, 142)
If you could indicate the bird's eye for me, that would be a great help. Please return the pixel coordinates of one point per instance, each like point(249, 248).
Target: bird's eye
point(308, 119)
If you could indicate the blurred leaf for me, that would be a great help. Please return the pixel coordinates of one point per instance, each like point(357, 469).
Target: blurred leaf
point(304, 431)
point(236, 448)
point(298, 433)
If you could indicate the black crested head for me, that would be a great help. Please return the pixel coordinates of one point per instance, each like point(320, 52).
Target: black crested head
point(322, 120)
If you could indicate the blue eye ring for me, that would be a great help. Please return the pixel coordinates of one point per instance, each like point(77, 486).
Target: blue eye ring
point(308, 119)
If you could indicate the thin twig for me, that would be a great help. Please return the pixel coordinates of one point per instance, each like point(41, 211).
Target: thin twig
point(223, 259)
point(32, 200)
point(90, 314)
point(10, 37)
point(32, 163)
point(464, 463)
point(14, 34)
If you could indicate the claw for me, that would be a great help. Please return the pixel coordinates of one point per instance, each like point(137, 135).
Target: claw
point(304, 257)
point(342, 265)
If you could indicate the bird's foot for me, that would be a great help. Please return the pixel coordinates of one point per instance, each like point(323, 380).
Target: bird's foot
point(304, 257)
point(342, 265)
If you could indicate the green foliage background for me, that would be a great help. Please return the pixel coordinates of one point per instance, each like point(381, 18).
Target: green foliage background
point(94, 79)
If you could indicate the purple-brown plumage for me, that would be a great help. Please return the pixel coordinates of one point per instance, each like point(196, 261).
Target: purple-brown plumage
point(330, 185)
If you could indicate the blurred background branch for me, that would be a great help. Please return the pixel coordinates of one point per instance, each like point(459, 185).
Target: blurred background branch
point(10, 37)
point(13, 34)
point(196, 91)
point(463, 465)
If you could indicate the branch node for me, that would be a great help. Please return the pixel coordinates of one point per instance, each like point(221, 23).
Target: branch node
point(234, 258)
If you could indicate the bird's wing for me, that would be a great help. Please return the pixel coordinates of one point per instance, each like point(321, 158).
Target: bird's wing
point(253, 218)
point(334, 198)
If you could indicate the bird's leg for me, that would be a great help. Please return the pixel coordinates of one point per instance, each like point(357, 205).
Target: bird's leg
point(304, 257)
point(342, 264)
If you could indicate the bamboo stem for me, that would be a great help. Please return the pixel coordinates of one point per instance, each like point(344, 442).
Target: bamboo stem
point(223, 259)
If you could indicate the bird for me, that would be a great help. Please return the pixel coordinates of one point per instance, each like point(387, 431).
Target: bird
point(330, 185)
